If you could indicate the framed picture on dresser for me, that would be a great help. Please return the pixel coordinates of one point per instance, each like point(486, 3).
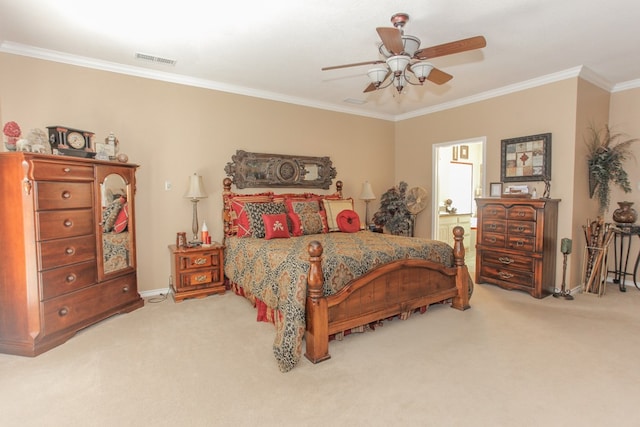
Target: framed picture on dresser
point(495, 189)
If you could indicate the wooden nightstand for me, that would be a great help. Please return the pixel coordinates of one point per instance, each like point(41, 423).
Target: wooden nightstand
point(197, 272)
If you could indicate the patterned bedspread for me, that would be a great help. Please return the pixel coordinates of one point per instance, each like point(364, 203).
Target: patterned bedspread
point(275, 271)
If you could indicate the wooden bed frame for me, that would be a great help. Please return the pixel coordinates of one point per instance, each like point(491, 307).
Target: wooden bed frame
point(392, 289)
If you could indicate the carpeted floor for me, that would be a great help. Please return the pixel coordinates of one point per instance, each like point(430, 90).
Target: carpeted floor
point(510, 360)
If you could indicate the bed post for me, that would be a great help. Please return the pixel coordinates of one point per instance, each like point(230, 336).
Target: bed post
point(317, 330)
point(461, 301)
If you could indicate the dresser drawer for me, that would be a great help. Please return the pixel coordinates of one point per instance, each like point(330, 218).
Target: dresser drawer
point(523, 213)
point(495, 240)
point(54, 171)
point(494, 211)
point(509, 275)
point(67, 279)
point(66, 223)
point(63, 195)
point(494, 226)
point(57, 253)
point(200, 260)
point(525, 228)
point(509, 260)
point(89, 303)
point(521, 243)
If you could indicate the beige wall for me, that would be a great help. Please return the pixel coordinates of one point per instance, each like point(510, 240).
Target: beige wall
point(172, 131)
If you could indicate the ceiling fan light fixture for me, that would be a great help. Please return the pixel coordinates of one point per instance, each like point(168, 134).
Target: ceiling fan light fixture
point(411, 45)
point(377, 75)
point(398, 63)
point(421, 70)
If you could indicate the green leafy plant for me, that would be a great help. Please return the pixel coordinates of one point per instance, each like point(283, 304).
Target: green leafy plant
point(607, 152)
point(393, 213)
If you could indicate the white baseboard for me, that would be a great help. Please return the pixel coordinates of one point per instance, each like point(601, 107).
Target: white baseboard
point(155, 292)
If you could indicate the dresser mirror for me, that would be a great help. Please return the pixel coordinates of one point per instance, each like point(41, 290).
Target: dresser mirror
point(116, 228)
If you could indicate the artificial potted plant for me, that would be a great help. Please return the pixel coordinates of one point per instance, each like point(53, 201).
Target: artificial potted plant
point(607, 152)
point(393, 214)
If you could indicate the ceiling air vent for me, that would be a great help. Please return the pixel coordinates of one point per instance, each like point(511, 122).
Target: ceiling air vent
point(156, 59)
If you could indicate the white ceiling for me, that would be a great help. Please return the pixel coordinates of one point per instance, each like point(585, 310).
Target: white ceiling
point(275, 49)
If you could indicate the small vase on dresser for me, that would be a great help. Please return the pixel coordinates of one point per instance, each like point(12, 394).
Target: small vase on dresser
point(625, 214)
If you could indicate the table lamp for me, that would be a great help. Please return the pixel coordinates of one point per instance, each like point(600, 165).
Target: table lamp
point(195, 192)
point(367, 195)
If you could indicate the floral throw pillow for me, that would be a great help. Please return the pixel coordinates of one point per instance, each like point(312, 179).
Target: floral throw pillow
point(255, 212)
point(309, 214)
point(275, 226)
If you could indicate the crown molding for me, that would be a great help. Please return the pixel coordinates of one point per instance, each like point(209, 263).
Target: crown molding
point(81, 61)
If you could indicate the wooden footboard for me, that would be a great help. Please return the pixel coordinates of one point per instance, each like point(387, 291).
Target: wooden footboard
point(388, 290)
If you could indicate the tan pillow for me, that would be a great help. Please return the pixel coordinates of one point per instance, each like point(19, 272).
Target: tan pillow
point(333, 208)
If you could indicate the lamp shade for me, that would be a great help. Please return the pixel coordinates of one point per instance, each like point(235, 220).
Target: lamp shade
point(421, 70)
point(367, 192)
point(196, 188)
point(398, 63)
point(377, 75)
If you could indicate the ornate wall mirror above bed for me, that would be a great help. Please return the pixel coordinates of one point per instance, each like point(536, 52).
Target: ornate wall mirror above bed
point(261, 170)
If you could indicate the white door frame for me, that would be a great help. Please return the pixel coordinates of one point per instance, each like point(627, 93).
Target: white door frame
point(434, 178)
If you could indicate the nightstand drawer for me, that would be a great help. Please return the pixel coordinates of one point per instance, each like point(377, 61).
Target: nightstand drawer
point(197, 278)
point(200, 260)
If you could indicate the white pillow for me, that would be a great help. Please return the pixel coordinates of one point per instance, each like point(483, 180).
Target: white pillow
point(333, 208)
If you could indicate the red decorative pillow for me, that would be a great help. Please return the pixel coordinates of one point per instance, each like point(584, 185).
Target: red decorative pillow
point(275, 226)
point(239, 220)
point(296, 228)
point(348, 221)
point(122, 220)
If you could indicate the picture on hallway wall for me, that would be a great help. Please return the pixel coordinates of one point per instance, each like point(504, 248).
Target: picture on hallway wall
point(526, 158)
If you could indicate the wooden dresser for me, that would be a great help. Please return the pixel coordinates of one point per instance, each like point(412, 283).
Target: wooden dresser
point(60, 269)
point(516, 244)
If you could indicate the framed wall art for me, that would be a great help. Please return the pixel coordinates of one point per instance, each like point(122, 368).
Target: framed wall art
point(527, 158)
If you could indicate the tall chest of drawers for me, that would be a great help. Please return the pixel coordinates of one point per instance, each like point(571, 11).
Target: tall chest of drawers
point(517, 241)
point(57, 273)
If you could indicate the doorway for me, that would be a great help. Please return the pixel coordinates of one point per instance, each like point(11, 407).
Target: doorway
point(458, 178)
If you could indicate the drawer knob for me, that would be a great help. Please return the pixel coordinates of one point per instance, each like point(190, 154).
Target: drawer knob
point(63, 311)
point(491, 239)
point(68, 223)
point(200, 261)
point(505, 260)
point(504, 275)
point(71, 278)
point(125, 289)
point(66, 194)
point(492, 226)
point(520, 229)
point(66, 170)
point(520, 214)
point(69, 251)
point(200, 278)
point(519, 243)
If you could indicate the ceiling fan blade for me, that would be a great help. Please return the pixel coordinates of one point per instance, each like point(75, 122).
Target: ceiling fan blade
point(392, 39)
point(463, 45)
point(356, 64)
point(370, 88)
point(439, 77)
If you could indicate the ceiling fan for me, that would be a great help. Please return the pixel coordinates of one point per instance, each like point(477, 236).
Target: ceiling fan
point(402, 55)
